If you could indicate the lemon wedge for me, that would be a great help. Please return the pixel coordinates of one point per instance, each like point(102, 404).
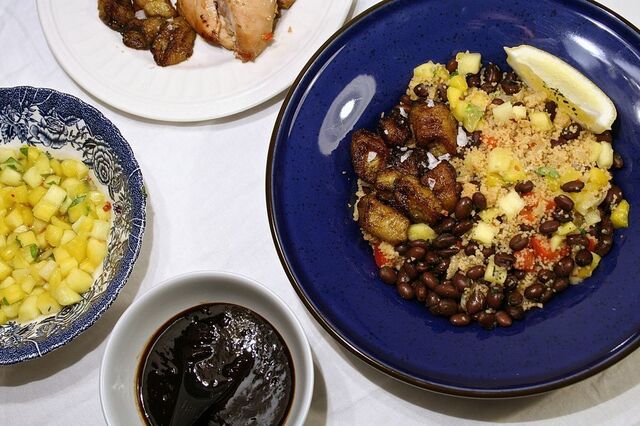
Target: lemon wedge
point(574, 93)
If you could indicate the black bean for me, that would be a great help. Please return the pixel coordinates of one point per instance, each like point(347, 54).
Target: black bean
point(549, 227)
point(534, 291)
point(421, 90)
point(448, 252)
point(564, 202)
point(430, 280)
point(445, 225)
point(618, 162)
point(388, 275)
point(446, 290)
point(573, 186)
point(563, 267)
point(475, 137)
point(604, 244)
point(447, 307)
point(547, 295)
point(614, 195)
point(410, 270)
point(525, 228)
point(511, 282)
point(473, 80)
point(441, 93)
point(551, 108)
point(432, 299)
point(497, 101)
point(431, 258)
point(605, 227)
point(416, 253)
point(489, 87)
point(560, 284)
point(511, 75)
point(584, 257)
point(605, 136)
point(519, 274)
point(475, 303)
point(518, 242)
point(571, 132)
point(492, 73)
point(487, 251)
point(406, 291)
point(524, 187)
point(558, 142)
point(545, 275)
point(443, 241)
point(515, 312)
point(495, 298)
point(476, 272)
point(460, 320)
point(471, 248)
point(419, 243)
point(460, 281)
point(479, 200)
point(421, 266)
point(402, 277)
point(421, 292)
point(503, 319)
point(510, 87)
point(487, 320)
point(452, 65)
point(561, 216)
point(462, 228)
point(515, 298)
point(463, 208)
point(577, 240)
point(403, 248)
point(504, 260)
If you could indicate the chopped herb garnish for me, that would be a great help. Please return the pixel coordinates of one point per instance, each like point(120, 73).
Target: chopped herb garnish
point(5, 301)
point(25, 151)
point(34, 250)
point(77, 200)
point(548, 171)
point(453, 74)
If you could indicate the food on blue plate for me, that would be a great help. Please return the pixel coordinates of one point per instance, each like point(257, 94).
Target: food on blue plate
point(218, 364)
point(243, 27)
point(485, 193)
point(54, 227)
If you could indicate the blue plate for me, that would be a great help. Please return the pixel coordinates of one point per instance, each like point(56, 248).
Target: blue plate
point(66, 127)
point(360, 73)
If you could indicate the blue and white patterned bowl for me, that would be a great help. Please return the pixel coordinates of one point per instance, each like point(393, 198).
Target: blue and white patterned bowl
point(69, 128)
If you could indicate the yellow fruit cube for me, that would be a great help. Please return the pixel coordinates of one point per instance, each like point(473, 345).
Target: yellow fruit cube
point(3, 318)
point(26, 238)
point(44, 210)
point(10, 177)
point(65, 296)
point(7, 282)
point(60, 254)
point(32, 177)
point(28, 284)
point(14, 219)
point(100, 230)
point(60, 223)
point(53, 235)
point(47, 304)
point(67, 265)
point(11, 311)
point(459, 82)
point(96, 251)
point(8, 252)
point(12, 294)
point(77, 248)
point(46, 269)
point(28, 310)
point(620, 215)
point(36, 195)
point(79, 280)
point(5, 270)
point(87, 266)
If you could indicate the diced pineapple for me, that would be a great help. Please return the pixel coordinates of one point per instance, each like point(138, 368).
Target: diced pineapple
point(97, 250)
point(3, 318)
point(32, 177)
point(459, 82)
point(5, 270)
point(11, 311)
point(60, 224)
point(7, 282)
point(55, 166)
point(65, 296)
point(67, 236)
point(65, 205)
point(47, 304)
point(592, 217)
point(503, 113)
point(418, 231)
point(26, 238)
point(8, 252)
point(38, 225)
point(14, 219)
point(453, 96)
point(499, 160)
point(594, 151)
point(83, 226)
point(494, 273)
point(511, 204)
point(87, 266)
point(620, 215)
point(468, 63)
point(540, 121)
point(42, 165)
point(28, 284)
point(605, 159)
point(76, 211)
point(484, 233)
point(520, 112)
point(556, 242)
point(598, 178)
point(12, 294)
point(56, 278)
point(10, 177)
point(52, 180)
point(6, 153)
point(77, 248)
point(36, 195)
point(28, 310)
point(60, 254)
point(46, 269)
point(55, 195)
point(67, 265)
point(100, 230)
point(488, 215)
point(53, 235)
point(96, 197)
point(44, 210)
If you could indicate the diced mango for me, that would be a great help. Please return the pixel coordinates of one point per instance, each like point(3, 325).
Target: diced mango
point(418, 231)
point(620, 215)
point(65, 296)
point(28, 310)
point(47, 304)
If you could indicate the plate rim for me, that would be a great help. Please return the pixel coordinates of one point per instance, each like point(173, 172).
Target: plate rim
point(98, 90)
point(627, 347)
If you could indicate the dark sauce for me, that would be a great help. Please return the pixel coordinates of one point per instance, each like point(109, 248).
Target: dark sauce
point(222, 360)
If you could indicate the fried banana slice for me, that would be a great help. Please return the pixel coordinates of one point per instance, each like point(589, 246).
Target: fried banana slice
point(285, 4)
point(442, 181)
point(157, 8)
point(382, 221)
point(116, 14)
point(369, 154)
point(140, 33)
point(386, 179)
point(418, 201)
point(394, 131)
point(434, 128)
point(174, 42)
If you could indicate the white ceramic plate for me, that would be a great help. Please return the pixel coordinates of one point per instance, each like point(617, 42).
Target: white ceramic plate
point(142, 319)
point(211, 84)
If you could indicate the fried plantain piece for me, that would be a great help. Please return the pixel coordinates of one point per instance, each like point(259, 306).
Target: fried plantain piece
point(434, 128)
point(369, 154)
point(409, 162)
point(382, 221)
point(386, 180)
point(444, 184)
point(174, 42)
point(418, 201)
point(140, 33)
point(285, 4)
point(394, 130)
point(116, 14)
point(157, 8)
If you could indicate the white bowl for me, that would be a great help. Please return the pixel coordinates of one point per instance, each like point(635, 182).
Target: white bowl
point(146, 315)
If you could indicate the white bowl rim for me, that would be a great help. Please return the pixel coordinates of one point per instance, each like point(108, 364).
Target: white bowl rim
point(305, 371)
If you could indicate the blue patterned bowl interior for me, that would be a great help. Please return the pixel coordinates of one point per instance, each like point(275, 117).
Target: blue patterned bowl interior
point(66, 127)
point(362, 72)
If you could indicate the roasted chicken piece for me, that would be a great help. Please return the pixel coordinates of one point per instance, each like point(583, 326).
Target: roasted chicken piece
point(394, 130)
point(140, 33)
point(116, 14)
point(369, 154)
point(434, 128)
point(418, 201)
point(157, 8)
point(174, 42)
point(246, 27)
point(382, 221)
point(442, 181)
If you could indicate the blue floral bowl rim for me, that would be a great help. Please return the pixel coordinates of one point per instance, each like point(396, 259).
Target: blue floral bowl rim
point(630, 345)
point(139, 214)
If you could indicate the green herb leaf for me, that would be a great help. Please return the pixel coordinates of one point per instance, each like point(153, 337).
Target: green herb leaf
point(34, 250)
point(77, 200)
point(25, 151)
point(453, 74)
point(5, 301)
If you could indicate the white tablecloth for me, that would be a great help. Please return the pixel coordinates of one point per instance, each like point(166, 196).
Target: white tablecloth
point(207, 211)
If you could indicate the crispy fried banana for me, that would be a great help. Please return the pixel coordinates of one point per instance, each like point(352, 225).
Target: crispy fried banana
point(369, 154)
point(382, 221)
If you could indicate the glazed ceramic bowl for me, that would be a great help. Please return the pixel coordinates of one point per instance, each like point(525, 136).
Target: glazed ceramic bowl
point(66, 127)
point(146, 315)
point(361, 72)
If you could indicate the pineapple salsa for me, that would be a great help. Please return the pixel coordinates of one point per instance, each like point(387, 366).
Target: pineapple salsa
point(485, 193)
point(54, 226)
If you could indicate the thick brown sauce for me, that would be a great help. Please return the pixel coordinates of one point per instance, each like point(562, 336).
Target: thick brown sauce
point(219, 356)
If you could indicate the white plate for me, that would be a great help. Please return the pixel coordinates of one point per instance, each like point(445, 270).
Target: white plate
point(146, 315)
point(211, 84)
